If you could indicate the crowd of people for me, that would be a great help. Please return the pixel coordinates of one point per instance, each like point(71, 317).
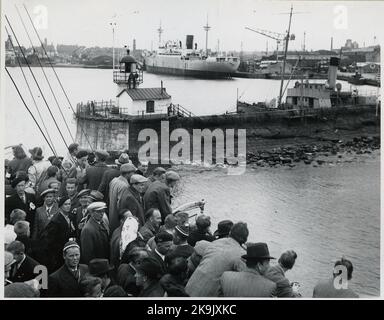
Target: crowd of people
point(99, 230)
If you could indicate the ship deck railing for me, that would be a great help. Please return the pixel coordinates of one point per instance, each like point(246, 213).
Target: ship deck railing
point(126, 78)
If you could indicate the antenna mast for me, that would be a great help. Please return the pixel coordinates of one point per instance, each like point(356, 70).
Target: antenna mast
point(160, 31)
point(206, 28)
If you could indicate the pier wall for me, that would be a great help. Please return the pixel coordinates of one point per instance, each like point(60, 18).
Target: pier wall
point(120, 134)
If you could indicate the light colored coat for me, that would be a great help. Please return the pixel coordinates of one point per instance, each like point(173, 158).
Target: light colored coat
point(219, 256)
point(116, 188)
point(36, 170)
point(248, 283)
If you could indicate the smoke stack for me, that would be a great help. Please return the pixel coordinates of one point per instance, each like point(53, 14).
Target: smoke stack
point(195, 46)
point(189, 42)
point(332, 71)
point(162, 89)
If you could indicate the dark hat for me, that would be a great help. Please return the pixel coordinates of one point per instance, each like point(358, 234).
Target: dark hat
point(37, 153)
point(71, 244)
point(45, 192)
point(223, 228)
point(98, 267)
point(159, 171)
point(115, 291)
point(182, 230)
point(17, 180)
point(95, 195)
point(163, 236)
point(62, 200)
point(81, 154)
point(257, 251)
point(83, 193)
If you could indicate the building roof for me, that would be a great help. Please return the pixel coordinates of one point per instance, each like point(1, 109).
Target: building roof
point(146, 94)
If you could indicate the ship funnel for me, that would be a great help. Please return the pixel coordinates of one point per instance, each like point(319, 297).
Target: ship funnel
point(332, 72)
point(189, 41)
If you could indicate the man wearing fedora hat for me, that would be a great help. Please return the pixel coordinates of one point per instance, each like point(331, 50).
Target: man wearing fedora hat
point(37, 172)
point(44, 213)
point(101, 268)
point(94, 174)
point(112, 173)
point(116, 189)
point(251, 282)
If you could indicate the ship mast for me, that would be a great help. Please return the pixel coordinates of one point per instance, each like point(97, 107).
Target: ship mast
point(113, 24)
point(160, 31)
point(206, 28)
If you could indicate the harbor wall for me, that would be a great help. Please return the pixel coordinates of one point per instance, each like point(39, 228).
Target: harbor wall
point(261, 128)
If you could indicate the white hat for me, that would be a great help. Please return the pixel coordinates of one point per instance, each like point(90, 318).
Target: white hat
point(98, 205)
point(137, 178)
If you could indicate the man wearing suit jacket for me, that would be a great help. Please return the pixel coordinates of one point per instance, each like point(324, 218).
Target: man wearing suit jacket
point(65, 281)
point(251, 282)
point(23, 269)
point(80, 214)
point(94, 238)
point(94, 174)
point(21, 200)
point(44, 213)
point(132, 199)
point(164, 243)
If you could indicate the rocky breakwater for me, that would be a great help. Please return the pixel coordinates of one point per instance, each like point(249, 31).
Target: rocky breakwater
point(315, 154)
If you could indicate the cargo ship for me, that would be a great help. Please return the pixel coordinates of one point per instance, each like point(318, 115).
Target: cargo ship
point(189, 62)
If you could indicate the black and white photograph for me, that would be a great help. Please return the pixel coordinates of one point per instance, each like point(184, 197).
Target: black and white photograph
point(180, 150)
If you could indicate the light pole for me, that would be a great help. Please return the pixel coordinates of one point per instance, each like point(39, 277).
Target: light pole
point(113, 24)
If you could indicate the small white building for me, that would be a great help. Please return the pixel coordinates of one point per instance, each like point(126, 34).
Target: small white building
point(143, 101)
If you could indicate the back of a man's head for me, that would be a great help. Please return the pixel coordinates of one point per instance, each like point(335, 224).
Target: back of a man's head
point(178, 266)
point(21, 228)
point(347, 264)
point(239, 232)
point(287, 259)
point(16, 247)
point(170, 222)
point(17, 215)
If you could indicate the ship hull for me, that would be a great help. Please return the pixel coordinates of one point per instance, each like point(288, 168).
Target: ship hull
point(190, 68)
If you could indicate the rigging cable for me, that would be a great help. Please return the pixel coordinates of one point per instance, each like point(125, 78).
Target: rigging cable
point(37, 83)
point(45, 76)
point(34, 119)
point(30, 91)
point(57, 77)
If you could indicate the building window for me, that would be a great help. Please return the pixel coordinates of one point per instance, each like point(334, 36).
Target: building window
point(150, 106)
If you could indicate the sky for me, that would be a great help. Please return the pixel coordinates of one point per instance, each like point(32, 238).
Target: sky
point(87, 22)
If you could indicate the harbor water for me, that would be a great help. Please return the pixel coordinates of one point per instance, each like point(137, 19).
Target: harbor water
point(322, 213)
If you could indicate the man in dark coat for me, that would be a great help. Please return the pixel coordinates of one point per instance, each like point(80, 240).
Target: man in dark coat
point(132, 200)
point(94, 238)
point(23, 269)
point(21, 200)
point(158, 194)
point(152, 224)
point(147, 276)
point(175, 280)
point(110, 174)
point(201, 232)
point(57, 232)
point(94, 174)
point(164, 243)
point(181, 248)
point(80, 214)
point(65, 281)
point(127, 270)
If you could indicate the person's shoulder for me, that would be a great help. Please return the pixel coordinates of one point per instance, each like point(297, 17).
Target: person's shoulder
point(83, 268)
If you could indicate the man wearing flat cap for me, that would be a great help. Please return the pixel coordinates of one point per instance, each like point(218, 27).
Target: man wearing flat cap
point(251, 282)
point(80, 214)
point(94, 238)
point(21, 200)
point(112, 173)
point(44, 213)
point(65, 281)
point(94, 174)
point(158, 194)
point(132, 198)
point(116, 189)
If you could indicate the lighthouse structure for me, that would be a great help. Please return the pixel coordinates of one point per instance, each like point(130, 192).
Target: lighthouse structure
point(131, 99)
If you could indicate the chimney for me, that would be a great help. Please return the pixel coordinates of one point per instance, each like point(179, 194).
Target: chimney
point(162, 89)
point(189, 42)
point(332, 71)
